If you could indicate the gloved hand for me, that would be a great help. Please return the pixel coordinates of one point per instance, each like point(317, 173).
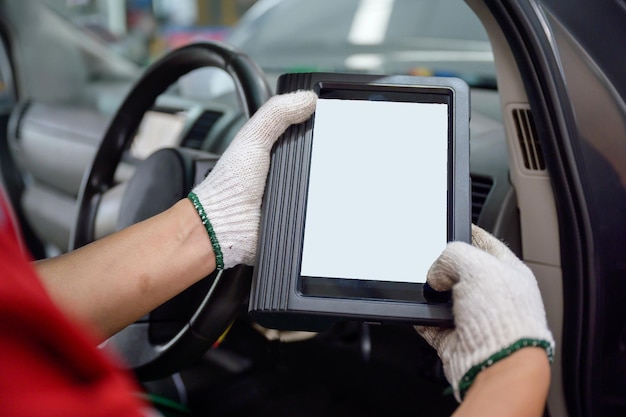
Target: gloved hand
point(229, 199)
point(497, 308)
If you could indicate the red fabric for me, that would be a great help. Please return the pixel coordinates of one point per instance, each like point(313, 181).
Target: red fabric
point(48, 366)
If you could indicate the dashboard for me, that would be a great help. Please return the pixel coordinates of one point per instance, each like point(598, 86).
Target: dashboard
point(38, 130)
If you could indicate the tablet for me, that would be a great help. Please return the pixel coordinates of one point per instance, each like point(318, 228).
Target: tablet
point(361, 199)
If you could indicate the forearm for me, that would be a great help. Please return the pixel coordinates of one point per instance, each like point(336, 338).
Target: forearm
point(112, 282)
point(515, 386)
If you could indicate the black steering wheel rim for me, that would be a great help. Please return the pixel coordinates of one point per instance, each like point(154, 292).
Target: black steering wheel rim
point(229, 288)
point(252, 91)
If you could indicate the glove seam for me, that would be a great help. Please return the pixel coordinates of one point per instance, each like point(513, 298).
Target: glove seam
point(217, 250)
point(469, 377)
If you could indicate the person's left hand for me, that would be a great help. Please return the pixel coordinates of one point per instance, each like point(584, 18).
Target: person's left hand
point(229, 199)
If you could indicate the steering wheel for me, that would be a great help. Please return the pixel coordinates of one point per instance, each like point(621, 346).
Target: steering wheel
point(180, 331)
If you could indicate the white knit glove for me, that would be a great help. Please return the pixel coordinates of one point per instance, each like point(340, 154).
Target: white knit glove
point(497, 308)
point(229, 199)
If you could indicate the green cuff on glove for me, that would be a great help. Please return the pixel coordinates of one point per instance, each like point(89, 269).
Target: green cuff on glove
point(217, 250)
point(469, 377)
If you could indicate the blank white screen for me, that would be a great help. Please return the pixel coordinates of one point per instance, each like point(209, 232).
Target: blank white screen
point(377, 198)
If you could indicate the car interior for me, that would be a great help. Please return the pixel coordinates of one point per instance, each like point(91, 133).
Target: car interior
point(63, 92)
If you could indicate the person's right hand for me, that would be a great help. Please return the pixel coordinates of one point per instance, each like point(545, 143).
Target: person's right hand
point(497, 308)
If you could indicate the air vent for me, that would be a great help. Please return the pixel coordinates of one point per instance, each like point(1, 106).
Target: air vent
point(528, 140)
point(481, 186)
point(201, 127)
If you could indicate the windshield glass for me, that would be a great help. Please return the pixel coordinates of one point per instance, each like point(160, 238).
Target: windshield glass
point(417, 37)
point(424, 37)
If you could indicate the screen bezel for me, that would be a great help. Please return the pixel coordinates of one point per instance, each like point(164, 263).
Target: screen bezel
point(375, 290)
point(275, 301)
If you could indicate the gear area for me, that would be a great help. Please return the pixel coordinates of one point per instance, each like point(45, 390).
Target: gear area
point(352, 369)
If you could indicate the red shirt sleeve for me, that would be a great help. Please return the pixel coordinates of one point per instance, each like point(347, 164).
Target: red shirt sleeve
point(48, 366)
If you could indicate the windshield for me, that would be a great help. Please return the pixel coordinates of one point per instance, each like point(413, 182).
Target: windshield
point(416, 37)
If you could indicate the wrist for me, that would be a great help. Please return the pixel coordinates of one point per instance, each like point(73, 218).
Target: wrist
point(232, 228)
point(531, 363)
point(515, 386)
point(472, 374)
point(190, 231)
point(208, 227)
